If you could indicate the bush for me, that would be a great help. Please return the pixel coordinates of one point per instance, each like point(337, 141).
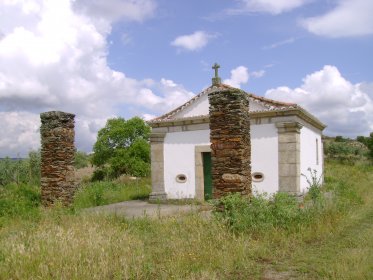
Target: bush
point(346, 152)
point(260, 213)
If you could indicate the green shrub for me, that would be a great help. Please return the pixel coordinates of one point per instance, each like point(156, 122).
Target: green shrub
point(260, 213)
point(345, 151)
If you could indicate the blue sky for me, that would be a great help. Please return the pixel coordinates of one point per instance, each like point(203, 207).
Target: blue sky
point(277, 44)
point(105, 58)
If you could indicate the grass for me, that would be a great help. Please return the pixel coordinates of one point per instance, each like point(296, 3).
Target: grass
point(107, 192)
point(63, 244)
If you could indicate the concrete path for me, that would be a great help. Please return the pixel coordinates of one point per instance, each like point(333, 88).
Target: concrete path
point(139, 208)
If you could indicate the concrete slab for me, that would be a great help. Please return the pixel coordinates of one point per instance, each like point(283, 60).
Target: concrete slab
point(139, 208)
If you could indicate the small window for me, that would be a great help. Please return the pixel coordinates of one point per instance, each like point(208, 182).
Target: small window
point(181, 178)
point(258, 176)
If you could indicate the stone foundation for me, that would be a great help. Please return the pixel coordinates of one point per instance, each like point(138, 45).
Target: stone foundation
point(57, 157)
point(230, 142)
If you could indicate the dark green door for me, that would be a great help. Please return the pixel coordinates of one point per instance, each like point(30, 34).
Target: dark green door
point(207, 179)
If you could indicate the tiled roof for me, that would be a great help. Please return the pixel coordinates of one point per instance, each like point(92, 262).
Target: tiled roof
point(269, 104)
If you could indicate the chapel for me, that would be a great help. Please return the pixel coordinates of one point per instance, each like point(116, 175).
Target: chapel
point(227, 140)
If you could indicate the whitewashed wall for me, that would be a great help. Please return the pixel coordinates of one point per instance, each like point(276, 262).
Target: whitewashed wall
point(179, 158)
point(264, 156)
point(309, 154)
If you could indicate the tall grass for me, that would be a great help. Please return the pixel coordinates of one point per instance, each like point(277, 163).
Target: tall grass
point(19, 202)
point(336, 243)
point(107, 192)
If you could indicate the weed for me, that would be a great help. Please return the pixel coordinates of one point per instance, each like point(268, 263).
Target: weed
point(314, 185)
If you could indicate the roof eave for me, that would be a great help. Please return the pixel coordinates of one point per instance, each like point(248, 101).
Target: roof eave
point(300, 112)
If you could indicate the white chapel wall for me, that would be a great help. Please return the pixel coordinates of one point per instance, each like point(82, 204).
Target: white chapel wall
point(179, 158)
point(264, 157)
point(311, 154)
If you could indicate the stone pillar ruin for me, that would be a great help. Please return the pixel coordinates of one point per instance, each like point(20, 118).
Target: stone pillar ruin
point(230, 141)
point(57, 157)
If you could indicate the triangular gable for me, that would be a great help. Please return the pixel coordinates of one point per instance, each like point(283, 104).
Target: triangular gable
point(198, 106)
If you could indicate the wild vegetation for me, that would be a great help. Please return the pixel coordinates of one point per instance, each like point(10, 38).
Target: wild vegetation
point(328, 236)
point(349, 150)
point(122, 148)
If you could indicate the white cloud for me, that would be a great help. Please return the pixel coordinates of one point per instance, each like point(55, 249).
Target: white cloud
point(112, 10)
point(257, 74)
point(280, 43)
point(53, 57)
point(19, 133)
point(193, 42)
point(349, 18)
point(240, 75)
point(345, 107)
point(148, 117)
point(274, 7)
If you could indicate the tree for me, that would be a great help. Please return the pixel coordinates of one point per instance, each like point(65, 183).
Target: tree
point(123, 146)
point(362, 139)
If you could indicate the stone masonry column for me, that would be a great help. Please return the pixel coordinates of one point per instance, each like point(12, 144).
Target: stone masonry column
point(289, 156)
point(157, 166)
point(230, 142)
point(57, 157)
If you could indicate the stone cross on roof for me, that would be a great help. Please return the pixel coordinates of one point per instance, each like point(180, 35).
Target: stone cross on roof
point(216, 80)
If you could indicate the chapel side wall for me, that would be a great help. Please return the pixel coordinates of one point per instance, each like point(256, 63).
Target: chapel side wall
point(179, 158)
point(264, 157)
point(310, 140)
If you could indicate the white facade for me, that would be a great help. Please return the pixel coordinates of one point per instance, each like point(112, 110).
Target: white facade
point(264, 157)
point(274, 126)
point(179, 159)
point(311, 154)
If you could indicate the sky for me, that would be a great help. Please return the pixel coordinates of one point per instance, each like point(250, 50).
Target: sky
point(100, 59)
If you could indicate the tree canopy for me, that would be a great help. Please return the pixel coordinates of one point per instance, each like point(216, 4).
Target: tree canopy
point(122, 145)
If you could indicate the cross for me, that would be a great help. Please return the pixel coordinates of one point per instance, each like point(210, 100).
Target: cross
point(216, 67)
